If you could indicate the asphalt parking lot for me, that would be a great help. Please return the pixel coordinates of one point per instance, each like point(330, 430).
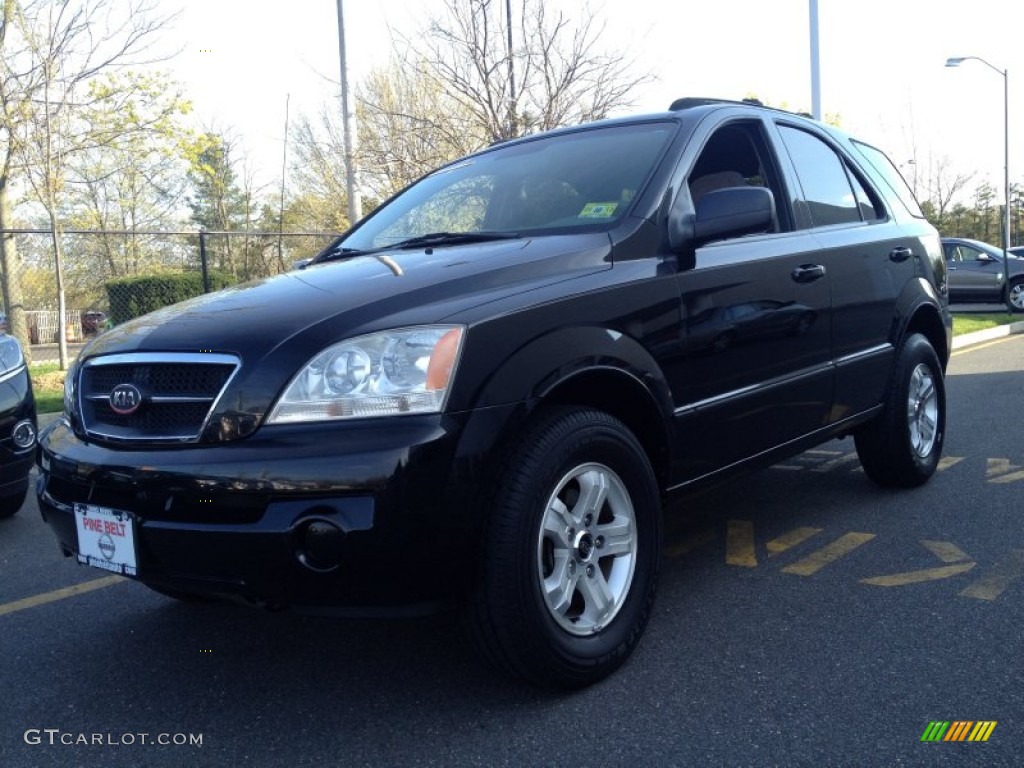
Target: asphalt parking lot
point(805, 617)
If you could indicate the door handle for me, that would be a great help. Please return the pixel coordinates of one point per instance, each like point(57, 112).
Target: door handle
point(808, 273)
point(900, 254)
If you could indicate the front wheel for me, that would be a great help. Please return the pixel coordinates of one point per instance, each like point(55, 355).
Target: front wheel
point(9, 505)
point(570, 558)
point(902, 445)
point(1016, 294)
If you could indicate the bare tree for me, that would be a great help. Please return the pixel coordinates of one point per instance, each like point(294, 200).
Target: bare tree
point(59, 106)
point(562, 73)
point(408, 125)
point(940, 186)
point(467, 84)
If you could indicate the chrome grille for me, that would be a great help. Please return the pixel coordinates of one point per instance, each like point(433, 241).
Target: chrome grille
point(179, 391)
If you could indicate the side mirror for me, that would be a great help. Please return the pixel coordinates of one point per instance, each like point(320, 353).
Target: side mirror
point(985, 258)
point(733, 212)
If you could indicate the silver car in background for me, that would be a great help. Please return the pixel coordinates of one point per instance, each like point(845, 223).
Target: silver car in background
point(976, 273)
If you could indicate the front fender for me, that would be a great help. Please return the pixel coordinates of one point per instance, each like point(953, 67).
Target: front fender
point(544, 363)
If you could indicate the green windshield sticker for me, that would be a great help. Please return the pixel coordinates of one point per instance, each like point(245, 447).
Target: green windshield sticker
point(598, 210)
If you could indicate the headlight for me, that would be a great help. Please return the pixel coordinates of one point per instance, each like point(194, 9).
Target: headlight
point(382, 374)
point(69, 390)
point(11, 357)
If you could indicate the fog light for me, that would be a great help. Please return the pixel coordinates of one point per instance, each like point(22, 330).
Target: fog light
point(23, 435)
point(320, 545)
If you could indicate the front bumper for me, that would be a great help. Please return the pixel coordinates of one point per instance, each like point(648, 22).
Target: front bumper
point(16, 404)
point(14, 469)
point(234, 519)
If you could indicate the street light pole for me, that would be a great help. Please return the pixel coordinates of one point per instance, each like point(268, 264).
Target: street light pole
point(956, 62)
point(815, 63)
point(355, 203)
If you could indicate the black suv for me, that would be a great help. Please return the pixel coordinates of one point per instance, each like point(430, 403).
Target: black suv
point(483, 393)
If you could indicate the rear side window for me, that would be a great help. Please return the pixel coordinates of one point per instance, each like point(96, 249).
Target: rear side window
point(870, 209)
point(893, 178)
point(826, 186)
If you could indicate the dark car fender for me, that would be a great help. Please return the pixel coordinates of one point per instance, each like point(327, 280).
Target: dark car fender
point(919, 310)
point(579, 365)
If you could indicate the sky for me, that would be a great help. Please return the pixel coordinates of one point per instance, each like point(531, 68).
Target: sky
point(882, 65)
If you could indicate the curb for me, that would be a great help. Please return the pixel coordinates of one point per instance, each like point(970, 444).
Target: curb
point(978, 337)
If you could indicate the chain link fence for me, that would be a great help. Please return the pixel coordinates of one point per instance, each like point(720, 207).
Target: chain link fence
point(110, 276)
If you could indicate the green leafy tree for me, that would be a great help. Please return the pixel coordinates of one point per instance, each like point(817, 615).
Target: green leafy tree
point(64, 49)
point(136, 182)
point(984, 212)
point(217, 201)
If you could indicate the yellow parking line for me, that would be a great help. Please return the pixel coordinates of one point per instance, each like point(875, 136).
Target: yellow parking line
point(998, 578)
point(791, 539)
point(739, 544)
point(948, 461)
point(1002, 471)
point(946, 551)
point(917, 577)
point(976, 347)
point(817, 560)
point(59, 594)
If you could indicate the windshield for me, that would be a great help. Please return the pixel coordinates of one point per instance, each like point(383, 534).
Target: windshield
point(580, 180)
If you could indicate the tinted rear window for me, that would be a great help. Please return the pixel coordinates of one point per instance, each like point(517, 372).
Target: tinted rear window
point(893, 178)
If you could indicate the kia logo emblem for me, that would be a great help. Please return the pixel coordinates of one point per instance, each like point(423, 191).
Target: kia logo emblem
point(125, 399)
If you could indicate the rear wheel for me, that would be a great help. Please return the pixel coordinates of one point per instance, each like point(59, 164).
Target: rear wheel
point(902, 445)
point(570, 557)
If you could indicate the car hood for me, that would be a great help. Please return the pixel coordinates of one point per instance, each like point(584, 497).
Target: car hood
point(276, 325)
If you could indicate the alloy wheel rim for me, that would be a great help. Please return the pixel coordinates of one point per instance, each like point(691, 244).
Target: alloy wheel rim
point(922, 411)
point(586, 549)
point(1017, 296)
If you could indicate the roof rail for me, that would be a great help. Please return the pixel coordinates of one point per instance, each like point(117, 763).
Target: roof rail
point(689, 101)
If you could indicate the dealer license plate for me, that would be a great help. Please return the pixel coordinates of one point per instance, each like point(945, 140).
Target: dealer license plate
point(106, 539)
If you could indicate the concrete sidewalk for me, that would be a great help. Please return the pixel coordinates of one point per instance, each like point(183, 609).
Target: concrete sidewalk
point(967, 339)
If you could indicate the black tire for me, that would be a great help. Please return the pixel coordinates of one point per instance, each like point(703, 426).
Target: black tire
point(901, 446)
point(1016, 294)
point(522, 628)
point(9, 505)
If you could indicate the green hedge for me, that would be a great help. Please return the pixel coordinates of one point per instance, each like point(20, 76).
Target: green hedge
point(133, 296)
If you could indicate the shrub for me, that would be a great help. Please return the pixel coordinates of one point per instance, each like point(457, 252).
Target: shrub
point(134, 296)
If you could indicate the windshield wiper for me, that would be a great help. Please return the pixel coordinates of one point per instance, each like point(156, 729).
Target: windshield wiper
point(338, 253)
point(431, 238)
point(452, 238)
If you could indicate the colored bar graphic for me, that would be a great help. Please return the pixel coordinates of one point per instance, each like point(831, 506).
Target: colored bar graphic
point(959, 730)
point(982, 730)
point(935, 731)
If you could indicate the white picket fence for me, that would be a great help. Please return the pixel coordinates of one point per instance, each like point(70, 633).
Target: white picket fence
point(43, 325)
